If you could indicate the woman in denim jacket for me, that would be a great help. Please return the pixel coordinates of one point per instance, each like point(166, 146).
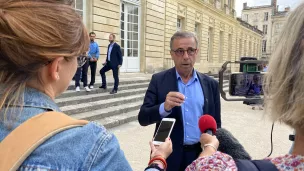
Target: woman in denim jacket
point(39, 45)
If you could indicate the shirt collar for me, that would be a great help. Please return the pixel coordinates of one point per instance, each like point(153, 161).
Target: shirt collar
point(194, 75)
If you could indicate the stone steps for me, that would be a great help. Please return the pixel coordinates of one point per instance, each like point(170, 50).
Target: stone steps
point(75, 98)
point(111, 83)
point(101, 104)
point(108, 109)
point(117, 120)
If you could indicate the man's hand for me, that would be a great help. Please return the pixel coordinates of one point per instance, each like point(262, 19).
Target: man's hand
point(93, 59)
point(173, 99)
point(163, 150)
point(119, 66)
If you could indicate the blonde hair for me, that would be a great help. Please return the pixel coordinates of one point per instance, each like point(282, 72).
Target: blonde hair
point(32, 34)
point(284, 82)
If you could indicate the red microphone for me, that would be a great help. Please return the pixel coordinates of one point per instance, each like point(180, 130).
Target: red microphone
point(207, 124)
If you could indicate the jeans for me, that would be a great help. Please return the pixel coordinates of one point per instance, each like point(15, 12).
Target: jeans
point(82, 73)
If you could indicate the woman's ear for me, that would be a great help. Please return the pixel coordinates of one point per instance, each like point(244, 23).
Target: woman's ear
point(53, 69)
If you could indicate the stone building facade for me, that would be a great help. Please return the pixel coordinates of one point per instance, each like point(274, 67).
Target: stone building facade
point(268, 19)
point(144, 29)
point(278, 21)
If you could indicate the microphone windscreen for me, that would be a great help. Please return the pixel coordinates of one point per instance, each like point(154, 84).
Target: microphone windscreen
point(207, 122)
point(230, 145)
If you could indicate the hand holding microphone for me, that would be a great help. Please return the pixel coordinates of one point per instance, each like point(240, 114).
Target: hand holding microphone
point(209, 142)
point(224, 141)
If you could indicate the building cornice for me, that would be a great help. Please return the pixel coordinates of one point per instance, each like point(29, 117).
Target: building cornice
point(211, 7)
point(258, 7)
point(248, 26)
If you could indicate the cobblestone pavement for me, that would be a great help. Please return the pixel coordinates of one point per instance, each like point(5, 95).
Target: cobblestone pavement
point(250, 127)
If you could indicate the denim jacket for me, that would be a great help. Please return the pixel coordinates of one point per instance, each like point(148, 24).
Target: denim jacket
point(85, 148)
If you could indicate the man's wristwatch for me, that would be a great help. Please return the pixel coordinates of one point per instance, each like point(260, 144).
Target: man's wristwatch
point(154, 166)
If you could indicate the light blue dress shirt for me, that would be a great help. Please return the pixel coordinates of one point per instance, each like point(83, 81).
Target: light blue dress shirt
point(110, 50)
point(94, 50)
point(192, 108)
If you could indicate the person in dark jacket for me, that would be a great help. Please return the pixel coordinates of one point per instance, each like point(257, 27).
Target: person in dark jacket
point(113, 62)
point(184, 94)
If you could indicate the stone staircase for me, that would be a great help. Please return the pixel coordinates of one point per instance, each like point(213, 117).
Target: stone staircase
point(107, 109)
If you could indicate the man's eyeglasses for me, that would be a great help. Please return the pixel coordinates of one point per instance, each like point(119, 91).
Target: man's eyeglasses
point(81, 60)
point(181, 52)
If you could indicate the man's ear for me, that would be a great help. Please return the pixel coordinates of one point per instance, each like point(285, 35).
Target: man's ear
point(53, 68)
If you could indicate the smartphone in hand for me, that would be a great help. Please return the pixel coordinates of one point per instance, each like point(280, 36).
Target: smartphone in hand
point(164, 130)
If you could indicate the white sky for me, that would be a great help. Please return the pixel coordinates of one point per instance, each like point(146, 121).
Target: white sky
point(282, 4)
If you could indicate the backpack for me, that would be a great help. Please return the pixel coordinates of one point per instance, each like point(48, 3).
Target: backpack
point(23, 140)
point(255, 165)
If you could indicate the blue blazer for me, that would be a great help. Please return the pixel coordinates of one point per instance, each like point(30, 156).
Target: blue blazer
point(160, 85)
point(116, 56)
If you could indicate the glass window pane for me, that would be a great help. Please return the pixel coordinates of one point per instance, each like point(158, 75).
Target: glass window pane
point(131, 27)
point(123, 7)
point(122, 34)
point(122, 25)
point(122, 16)
point(130, 35)
point(130, 9)
point(135, 19)
point(135, 36)
point(136, 10)
point(130, 18)
point(135, 44)
point(134, 27)
point(79, 4)
point(135, 53)
point(129, 52)
point(129, 44)
point(122, 43)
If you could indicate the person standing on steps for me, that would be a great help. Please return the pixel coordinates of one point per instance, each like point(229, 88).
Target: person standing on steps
point(82, 72)
point(93, 58)
point(113, 62)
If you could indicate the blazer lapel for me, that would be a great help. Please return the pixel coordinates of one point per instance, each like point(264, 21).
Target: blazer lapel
point(172, 80)
point(205, 91)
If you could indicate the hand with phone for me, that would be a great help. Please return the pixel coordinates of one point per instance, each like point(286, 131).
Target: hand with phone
point(173, 99)
point(161, 147)
point(163, 150)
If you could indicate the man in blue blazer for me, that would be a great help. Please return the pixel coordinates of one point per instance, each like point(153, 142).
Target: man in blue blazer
point(184, 94)
point(113, 62)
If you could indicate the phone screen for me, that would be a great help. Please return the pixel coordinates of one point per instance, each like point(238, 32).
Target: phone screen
point(246, 84)
point(163, 131)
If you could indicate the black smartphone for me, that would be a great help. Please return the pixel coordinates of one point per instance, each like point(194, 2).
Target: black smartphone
point(246, 84)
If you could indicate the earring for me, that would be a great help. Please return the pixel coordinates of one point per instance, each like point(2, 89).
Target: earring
point(57, 77)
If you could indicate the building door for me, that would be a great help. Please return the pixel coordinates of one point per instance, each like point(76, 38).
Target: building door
point(129, 27)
